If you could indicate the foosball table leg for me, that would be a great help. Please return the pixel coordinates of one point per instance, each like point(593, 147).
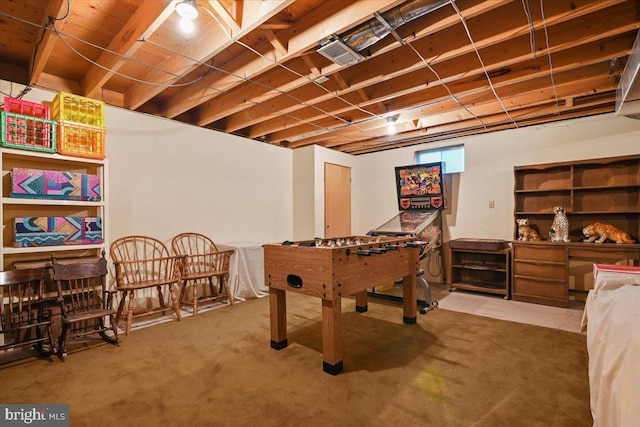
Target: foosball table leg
point(278, 318)
point(409, 300)
point(332, 336)
point(361, 302)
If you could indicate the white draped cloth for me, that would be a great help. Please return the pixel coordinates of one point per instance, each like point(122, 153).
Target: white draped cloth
point(246, 270)
point(612, 321)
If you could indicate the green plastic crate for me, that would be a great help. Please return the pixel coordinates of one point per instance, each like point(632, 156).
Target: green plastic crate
point(27, 132)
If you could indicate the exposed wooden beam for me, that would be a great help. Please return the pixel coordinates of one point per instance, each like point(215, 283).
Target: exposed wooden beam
point(332, 17)
point(208, 43)
point(277, 44)
point(144, 22)
point(51, 82)
point(274, 27)
point(231, 17)
point(519, 64)
point(251, 67)
point(313, 67)
point(14, 73)
point(212, 111)
point(341, 82)
point(526, 116)
point(494, 25)
point(480, 103)
point(55, 9)
point(462, 128)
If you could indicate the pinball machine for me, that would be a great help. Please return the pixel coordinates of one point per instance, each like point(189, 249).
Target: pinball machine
point(421, 199)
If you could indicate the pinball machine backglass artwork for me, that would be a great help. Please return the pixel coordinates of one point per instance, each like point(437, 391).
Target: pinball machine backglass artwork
point(420, 187)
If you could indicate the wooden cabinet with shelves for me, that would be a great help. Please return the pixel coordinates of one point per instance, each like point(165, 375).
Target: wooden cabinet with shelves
point(603, 190)
point(17, 207)
point(599, 190)
point(480, 269)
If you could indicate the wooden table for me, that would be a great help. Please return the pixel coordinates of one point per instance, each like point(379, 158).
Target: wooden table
point(349, 267)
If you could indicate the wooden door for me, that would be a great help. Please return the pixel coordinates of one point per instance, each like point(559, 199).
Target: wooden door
point(337, 200)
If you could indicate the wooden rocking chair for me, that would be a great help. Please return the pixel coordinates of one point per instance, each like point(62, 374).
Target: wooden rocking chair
point(202, 263)
point(85, 302)
point(141, 263)
point(25, 319)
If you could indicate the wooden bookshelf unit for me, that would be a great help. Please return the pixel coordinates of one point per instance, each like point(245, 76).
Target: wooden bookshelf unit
point(12, 207)
point(480, 265)
point(603, 190)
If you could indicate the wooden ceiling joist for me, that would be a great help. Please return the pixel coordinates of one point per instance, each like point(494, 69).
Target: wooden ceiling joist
point(254, 69)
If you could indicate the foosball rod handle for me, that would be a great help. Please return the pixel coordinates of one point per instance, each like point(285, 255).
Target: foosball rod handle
point(377, 251)
point(415, 244)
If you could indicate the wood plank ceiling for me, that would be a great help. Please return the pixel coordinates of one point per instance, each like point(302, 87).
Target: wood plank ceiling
point(439, 68)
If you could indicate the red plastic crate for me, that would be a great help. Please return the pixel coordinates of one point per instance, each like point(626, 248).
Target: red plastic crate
point(26, 108)
point(27, 132)
point(81, 141)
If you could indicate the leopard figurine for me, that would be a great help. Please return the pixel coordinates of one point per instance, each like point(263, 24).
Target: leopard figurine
point(525, 232)
point(559, 231)
point(599, 232)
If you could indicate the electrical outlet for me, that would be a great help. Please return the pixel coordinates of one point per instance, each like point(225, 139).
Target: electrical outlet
point(492, 204)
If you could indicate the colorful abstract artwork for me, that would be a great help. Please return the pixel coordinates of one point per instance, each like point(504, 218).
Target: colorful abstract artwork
point(44, 184)
point(57, 230)
point(420, 187)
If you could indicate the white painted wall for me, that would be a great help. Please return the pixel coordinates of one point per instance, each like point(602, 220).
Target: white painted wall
point(488, 175)
point(303, 194)
point(167, 177)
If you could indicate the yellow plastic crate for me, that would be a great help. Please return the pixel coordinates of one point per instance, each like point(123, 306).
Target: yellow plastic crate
point(81, 141)
point(70, 108)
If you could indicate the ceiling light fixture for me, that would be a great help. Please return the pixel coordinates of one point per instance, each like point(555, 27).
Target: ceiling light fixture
point(187, 9)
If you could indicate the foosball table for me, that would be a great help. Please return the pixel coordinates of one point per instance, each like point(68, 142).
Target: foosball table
point(331, 269)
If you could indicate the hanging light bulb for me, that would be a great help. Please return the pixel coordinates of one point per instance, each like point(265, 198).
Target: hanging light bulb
point(391, 125)
point(187, 9)
point(187, 25)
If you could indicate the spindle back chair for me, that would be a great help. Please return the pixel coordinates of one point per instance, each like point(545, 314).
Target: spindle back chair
point(25, 317)
point(85, 302)
point(201, 263)
point(143, 262)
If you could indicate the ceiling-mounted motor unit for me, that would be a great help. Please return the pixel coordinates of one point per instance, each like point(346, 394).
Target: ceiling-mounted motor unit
point(339, 52)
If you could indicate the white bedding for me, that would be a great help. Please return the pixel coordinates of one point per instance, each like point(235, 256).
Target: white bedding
point(612, 321)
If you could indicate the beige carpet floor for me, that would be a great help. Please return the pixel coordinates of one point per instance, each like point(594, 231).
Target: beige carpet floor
point(218, 369)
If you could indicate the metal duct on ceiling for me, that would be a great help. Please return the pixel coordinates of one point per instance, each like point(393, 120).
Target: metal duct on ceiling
point(346, 47)
point(628, 93)
point(373, 31)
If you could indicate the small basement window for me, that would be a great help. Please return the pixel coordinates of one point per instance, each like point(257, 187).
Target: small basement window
point(452, 157)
